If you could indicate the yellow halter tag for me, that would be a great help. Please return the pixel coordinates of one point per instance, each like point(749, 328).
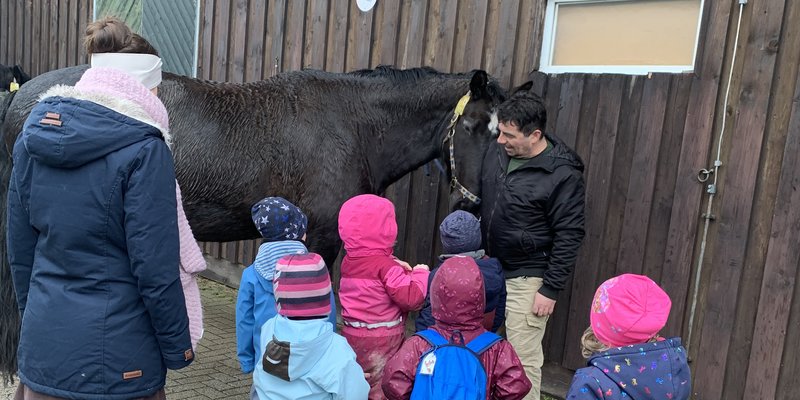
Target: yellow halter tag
point(462, 103)
point(14, 86)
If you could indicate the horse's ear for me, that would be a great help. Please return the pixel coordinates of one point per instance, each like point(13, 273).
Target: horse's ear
point(478, 85)
point(21, 76)
point(522, 88)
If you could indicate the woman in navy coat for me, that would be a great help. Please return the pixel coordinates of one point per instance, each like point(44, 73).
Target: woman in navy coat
point(92, 232)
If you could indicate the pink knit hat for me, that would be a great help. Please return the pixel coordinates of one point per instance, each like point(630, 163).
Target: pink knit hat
point(628, 309)
point(302, 286)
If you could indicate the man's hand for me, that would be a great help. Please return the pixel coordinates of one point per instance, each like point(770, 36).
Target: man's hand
point(542, 305)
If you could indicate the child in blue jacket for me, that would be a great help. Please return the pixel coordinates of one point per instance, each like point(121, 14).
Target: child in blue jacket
point(460, 233)
point(283, 227)
point(302, 357)
point(627, 357)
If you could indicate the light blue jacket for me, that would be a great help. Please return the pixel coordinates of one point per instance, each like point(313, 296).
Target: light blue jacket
point(319, 364)
point(256, 301)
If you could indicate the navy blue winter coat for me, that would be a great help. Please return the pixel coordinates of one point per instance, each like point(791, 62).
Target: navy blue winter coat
point(644, 371)
point(494, 284)
point(93, 247)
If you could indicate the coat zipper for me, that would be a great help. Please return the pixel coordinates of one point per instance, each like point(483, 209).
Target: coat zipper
point(494, 206)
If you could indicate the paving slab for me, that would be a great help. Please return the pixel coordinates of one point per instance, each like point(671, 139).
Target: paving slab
point(215, 373)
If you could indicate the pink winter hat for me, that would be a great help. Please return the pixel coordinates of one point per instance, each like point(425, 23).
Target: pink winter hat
point(628, 309)
point(302, 286)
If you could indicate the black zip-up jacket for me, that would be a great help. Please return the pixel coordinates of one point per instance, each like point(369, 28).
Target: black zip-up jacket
point(532, 219)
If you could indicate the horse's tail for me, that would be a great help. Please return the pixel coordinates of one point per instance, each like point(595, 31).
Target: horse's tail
point(9, 313)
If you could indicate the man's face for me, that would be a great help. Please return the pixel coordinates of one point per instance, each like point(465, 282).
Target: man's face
point(516, 143)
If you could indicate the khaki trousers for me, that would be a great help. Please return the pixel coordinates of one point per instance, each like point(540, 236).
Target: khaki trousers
point(524, 330)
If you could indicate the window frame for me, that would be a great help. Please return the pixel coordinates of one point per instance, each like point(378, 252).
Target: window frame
point(548, 39)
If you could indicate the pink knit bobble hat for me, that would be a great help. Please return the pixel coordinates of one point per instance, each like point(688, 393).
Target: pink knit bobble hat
point(302, 286)
point(628, 309)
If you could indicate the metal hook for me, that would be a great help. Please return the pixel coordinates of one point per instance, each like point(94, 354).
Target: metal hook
point(704, 174)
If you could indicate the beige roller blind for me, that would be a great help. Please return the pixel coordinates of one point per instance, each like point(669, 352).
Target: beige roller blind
point(625, 33)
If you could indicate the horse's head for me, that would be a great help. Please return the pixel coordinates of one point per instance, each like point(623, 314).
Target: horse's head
point(468, 139)
point(12, 74)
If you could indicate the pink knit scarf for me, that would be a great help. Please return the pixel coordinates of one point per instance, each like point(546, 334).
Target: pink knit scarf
point(116, 83)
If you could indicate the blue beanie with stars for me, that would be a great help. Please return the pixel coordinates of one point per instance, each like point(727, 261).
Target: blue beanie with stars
point(278, 219)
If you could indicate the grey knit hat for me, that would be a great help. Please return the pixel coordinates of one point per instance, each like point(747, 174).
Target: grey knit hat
point(460, 232)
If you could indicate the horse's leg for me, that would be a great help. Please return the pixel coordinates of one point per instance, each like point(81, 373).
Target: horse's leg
point(9, 313)
point(325, 244)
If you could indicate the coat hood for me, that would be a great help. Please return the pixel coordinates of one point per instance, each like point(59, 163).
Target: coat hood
point(561, 154)
point(296, 346)
point(269, 253)
point(367, 226)
point(92, 119)
point(457, 295)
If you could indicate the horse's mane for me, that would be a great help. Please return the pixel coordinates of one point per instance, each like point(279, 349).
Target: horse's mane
point(395, 74)
point(412, 75)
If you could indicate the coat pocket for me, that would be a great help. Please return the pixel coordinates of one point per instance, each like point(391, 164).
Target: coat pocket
point(528, 243)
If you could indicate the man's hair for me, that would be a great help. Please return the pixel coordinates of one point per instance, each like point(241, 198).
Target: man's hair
point(525, 110)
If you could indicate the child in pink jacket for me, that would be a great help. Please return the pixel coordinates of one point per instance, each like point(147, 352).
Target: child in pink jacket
point(376, 289)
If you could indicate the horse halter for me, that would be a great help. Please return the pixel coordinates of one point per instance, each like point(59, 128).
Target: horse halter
point(454, 183)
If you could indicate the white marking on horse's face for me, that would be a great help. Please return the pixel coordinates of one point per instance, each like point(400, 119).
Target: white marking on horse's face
point(493, 123)
point(468, 124)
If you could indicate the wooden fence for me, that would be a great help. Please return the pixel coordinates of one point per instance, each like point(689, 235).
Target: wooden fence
point(644, 140)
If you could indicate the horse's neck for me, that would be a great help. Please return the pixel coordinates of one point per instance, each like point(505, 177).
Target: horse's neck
point(415, 136)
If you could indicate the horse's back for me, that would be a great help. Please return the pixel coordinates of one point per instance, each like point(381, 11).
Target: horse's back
point(28, 95)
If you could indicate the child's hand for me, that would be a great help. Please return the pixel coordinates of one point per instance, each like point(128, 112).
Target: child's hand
point(422, 266)
point(403, 264)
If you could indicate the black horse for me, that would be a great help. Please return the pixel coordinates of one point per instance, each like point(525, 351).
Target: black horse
point(313, 137)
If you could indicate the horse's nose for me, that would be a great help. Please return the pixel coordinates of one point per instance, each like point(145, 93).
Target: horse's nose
point(458, 202)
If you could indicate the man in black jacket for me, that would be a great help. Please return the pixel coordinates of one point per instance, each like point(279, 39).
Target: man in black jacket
point(532, 220)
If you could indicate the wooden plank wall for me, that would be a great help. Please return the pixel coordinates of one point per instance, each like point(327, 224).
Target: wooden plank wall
point(43, 35)
point(643, 140)
point(749, 293)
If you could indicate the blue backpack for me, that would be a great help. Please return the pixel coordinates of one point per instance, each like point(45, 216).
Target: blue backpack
point(450, 369)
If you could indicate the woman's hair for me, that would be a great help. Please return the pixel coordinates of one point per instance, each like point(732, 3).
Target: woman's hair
point(591, 344)
point(111, 35)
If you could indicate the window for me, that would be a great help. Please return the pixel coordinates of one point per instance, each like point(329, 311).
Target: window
point(170, 26)
point(620, 36)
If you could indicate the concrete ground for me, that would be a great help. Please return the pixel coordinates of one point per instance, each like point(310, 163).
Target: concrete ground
point(215, 373)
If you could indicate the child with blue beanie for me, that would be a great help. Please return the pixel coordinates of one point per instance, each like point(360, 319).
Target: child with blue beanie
point(283, 227)
point(460, 233)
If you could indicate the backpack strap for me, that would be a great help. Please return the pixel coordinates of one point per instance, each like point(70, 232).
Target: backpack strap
point(483, 342)
point(432, 337)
